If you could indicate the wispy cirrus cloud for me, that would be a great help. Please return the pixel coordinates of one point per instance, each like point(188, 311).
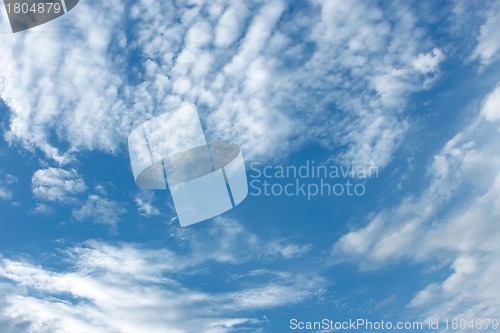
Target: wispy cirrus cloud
point(453, 220)
point(233, 243)
point(476, 23)
point(128, 287)
point(488, 45)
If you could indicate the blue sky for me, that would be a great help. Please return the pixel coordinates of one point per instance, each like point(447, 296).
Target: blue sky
point(410, 87)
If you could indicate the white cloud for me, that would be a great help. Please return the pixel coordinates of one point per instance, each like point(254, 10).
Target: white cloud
point(63, 83)
point(56, 184)
point(491, 107)
point(5, 194)
point(288, 250)
point(42, 209)
point(230, 24)
point(144, 201)
point(256, 37)
point(83, 301)
point(131, 288)
point(100, 210)
point(357, 81)
point(488, 43)
point(429, 62)
point(453, 221)
point(273, 296)
point(227, 241)
point(5, 190)
point(10, 179)
point(260, 78)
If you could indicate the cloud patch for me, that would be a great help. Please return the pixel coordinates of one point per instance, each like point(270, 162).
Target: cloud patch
point(100, 210)
point(488, 43)
point(330, 74)
point(127, 287)
point(57, 184)
point(453, 223)
point(145, 204)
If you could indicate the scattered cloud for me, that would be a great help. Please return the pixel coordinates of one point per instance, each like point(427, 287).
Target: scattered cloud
point(288, 250)
point(488, 43)
point(100, 210)
point(145, 203)
point(491, 106)
point(355, 85)
point(429, 62)
point(233, 243)
point(454, 221)
point(10, 179)
point(56, 184)
point(5, 194)
point(260, 77)
point(272, 77)
point(43, 209)
point(64, 89)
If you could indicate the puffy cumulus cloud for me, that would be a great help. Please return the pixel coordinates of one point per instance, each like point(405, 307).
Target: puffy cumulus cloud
point(265, 75)
point(100, 210)
point(56, 184)
point(453, 221)
point(429, 62)
point(125, 287)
